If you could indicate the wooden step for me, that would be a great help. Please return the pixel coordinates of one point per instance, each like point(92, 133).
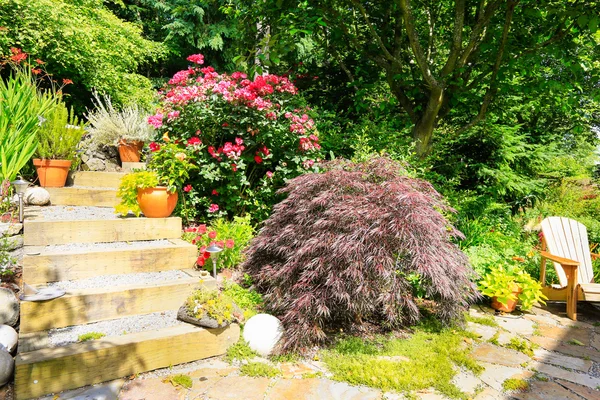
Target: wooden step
point(90, 305)
point(130, 166)
point(97, 179)
point(46, 371)
point(39, 232)
point(82, 196)
point(52, 265)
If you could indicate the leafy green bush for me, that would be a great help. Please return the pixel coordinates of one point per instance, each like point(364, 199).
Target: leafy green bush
point(502, 281)
point(60, 134)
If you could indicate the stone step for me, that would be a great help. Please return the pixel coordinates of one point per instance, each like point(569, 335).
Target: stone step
point(83, 196)
point(51, 370)
point(44, 232)
point(95, 179)
point(68, 262)
point(82, 306)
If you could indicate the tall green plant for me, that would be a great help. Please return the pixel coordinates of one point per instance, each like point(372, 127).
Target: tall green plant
point(21, 103)
point(59, 134)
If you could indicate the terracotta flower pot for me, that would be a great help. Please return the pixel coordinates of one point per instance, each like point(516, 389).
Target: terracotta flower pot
point(156, 202)
point(130, 151)
point(52, 173)
point(510, 304)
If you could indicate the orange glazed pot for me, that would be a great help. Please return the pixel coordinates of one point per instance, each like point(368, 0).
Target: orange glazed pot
point(130, 151)
point(156, 202)
point(52, 173)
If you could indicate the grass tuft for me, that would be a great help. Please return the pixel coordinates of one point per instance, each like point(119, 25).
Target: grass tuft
point(179, 380)
point(239, 351)
point(487, 320)
point(513, 384)
point(256, 369)
point(86, 337)
point(524, 346)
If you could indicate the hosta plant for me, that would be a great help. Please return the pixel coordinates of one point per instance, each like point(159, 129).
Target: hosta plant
point(249, 136)
point(342, 249)
point(503, 281)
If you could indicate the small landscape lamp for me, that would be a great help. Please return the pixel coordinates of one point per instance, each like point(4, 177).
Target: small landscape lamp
point(214, 251)
point(20, 186)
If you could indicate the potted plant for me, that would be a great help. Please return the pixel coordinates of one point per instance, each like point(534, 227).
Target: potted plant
point(126, 128)
point(507, 285)
point(58, 138)
point(153, 192)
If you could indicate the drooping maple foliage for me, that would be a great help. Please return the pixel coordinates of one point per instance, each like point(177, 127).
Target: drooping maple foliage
point(344, 246)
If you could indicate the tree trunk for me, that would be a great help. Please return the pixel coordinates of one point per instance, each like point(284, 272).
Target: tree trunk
point(423, 130)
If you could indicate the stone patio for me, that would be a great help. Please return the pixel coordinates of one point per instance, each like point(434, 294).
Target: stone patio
point(565, 365)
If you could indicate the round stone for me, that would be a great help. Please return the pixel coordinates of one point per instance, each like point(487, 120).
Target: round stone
point(262, 332)
point(36, 196)
point(9, 307)
point(7, 365)
point(8, 338)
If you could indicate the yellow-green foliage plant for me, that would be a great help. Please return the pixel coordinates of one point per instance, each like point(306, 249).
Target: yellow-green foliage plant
point(212, 304)
point(127, 192)
point(60, 134)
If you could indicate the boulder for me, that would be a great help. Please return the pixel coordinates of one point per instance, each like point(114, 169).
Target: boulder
point(36, 196)
point(262, 332)
point(8, 338)
point(7, 365)
point(206, 321)
point(95, 164)
point(9, 307)
point(14, 242)
point(10, 229)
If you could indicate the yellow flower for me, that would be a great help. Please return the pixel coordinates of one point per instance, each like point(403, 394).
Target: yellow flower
point(166, 137)
point(180, 156)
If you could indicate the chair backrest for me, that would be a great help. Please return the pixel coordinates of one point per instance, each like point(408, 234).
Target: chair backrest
point(568, 238)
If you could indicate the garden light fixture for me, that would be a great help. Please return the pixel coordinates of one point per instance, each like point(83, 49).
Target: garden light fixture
point(20, 186)
point(214, 251)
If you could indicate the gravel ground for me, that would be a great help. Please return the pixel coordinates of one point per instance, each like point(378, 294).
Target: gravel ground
point(53, 213)
point(110, 281)
point(114, 327)
point(59, 248)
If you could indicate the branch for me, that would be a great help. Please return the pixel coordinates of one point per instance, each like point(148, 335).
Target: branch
point(483, 20)
point(459, 20)
point(344, 68)
point(415, 45)
point(386, 52)
point(559, 34)
point(491, 90)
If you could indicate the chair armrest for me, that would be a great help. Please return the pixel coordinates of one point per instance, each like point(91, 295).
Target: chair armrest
point(594, 256)
point(560, 260)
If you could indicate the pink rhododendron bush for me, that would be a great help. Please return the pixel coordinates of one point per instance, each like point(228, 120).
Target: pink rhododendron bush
point(247, 138)
point(357, 246)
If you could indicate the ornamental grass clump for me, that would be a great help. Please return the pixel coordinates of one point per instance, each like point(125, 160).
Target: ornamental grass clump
point(338, 252)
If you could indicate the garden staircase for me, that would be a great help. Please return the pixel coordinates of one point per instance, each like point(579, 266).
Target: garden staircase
point(83, 249)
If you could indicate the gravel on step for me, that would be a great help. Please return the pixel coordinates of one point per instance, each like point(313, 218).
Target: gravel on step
point(114, 327)
point(111, 281)
point(67, 213)
point(94, 187)
point(141, 244)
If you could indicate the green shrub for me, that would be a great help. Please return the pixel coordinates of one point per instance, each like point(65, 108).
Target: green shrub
point(248, 300)
point(503, 280)
point(60, 134)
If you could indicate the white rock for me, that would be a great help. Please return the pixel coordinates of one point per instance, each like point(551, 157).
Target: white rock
point(7, 365)
point(262, 332)
point(37, 196)
point(10, 229)
point(8, 338)
point(9, 307)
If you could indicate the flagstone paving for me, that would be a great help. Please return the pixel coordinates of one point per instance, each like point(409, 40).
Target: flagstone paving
point(565, 365)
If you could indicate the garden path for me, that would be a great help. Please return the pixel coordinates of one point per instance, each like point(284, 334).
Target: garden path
point(564, 364)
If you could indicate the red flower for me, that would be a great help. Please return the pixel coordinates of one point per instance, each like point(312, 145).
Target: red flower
point(229, 243)
point(212, 234)
point(213, 208)
point(200, 261)
point(225, 124)
point(194, 141)
point(67, 81)
point(36, 71)
point(269, 174)
point(234, 167)
point(196, 58)
point(258, 159)
point(201, 229)
point(214, 192)
point(206, 255)
point(220, 244)
point(38, 61)
point(187, 188)
point(154, 146)
point(17, 55)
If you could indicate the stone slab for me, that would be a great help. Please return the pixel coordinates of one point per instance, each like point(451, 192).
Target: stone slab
point(147, 389)
point(519, 326)
point(317, 389)
point(490, 394)
point(585, 392)
point(489, 353)
point(494, 375)
point(504, 338)
point(596, 341)
point(205, 378)
point(291, 370)
point(239, 387)
point(483, 331)
point(541, 319)
point(561, 360)
point(103, 391)
point(569, 349)
point(466, 381)
point(575, 377)
point(565, 334)
point(540, 390)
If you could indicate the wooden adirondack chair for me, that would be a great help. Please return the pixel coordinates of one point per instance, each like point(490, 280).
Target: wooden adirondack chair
point(565, 243)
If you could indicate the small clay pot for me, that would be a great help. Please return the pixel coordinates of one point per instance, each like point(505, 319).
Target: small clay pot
point(130, 151)
point(510, 304)
point(52, 173)
point(157, 202)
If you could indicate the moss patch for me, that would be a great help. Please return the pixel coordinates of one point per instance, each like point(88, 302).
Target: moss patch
point(86, 337)
point(179, 380)
point(524, 346)
point(239, 351)
point(432, 357)
point(487, 320)
point(255, 369)
point(512, 384)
